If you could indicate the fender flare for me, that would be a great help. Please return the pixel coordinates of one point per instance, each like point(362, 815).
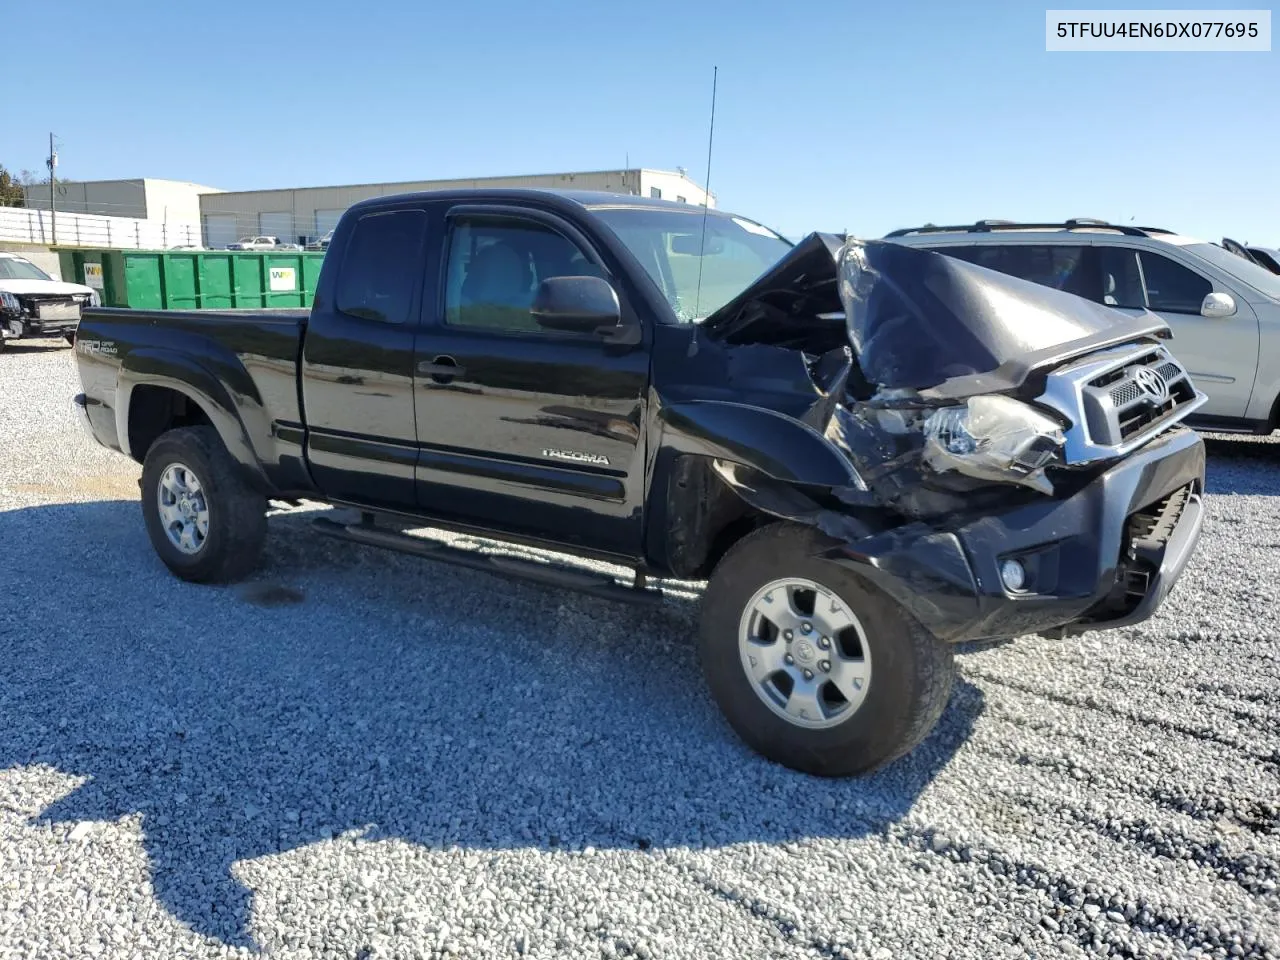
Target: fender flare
point(768, 442)
point(178, 372)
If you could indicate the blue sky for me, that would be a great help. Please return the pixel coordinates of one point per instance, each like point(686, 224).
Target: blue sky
point(831, 115)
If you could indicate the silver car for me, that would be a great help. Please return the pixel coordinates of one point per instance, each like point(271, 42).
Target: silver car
point(1224, 309)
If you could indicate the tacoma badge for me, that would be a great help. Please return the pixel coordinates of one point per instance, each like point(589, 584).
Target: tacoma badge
point(575, 457)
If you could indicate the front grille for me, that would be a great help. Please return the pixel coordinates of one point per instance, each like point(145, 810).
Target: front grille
point(1123, 402)
point(30, 302)
point(1127, 393)
point(1118, 399)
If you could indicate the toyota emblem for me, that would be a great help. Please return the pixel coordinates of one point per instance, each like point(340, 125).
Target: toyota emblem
point(1152, 385)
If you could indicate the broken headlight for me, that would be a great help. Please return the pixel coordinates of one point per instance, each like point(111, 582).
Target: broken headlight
point(993, 438)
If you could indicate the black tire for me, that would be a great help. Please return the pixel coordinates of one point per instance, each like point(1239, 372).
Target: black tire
point(237, 526)
point(911, 670)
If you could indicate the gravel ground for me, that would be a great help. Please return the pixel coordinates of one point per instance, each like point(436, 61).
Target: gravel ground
point(364, 755)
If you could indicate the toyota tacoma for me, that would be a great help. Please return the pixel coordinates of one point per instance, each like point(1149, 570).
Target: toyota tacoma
point(871, 452)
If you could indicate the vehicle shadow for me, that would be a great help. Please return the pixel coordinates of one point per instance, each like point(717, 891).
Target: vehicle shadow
point(349, 689)
point(1242, 465)
point(36, 346)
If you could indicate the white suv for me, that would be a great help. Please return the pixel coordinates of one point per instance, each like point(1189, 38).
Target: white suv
point(1223, 309)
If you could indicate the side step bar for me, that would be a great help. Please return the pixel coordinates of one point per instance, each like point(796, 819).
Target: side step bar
point(598, 585)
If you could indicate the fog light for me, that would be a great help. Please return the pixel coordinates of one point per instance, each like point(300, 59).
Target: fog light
point(1013, 575)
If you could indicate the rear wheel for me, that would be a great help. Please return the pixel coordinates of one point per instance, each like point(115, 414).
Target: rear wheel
point(205, 522)
point(812, 666)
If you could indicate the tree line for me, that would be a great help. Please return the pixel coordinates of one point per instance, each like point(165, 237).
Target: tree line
point(11, 186)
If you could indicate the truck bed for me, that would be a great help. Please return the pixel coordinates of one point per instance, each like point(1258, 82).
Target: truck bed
point(250, 357)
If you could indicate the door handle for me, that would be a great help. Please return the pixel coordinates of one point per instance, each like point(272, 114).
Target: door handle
point(442, 369)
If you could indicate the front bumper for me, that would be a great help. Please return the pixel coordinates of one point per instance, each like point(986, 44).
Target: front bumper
point(1103, 556)
point(13, 328)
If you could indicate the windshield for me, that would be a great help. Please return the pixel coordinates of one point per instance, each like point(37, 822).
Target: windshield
point(13, 268)
point(670, 246)
point(1261, 279)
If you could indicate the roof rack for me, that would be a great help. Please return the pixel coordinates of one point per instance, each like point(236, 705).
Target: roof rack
point(987, 226)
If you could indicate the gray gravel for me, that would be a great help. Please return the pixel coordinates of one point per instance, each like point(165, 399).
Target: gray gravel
point(363, 755)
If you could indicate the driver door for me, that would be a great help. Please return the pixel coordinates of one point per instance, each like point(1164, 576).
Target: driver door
point(523, 429)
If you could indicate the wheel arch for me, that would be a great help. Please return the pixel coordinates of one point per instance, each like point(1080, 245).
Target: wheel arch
point(707, 504)
point(150, 381)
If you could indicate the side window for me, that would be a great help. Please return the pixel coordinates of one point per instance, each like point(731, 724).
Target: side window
point(1171, 286)
point(982, 256)
point(1063, 267)
point(1121, 279)
point(495, 266)
point(382, 265)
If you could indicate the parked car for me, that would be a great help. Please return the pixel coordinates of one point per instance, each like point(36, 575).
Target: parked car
point(33, 304)
point(255, 243)
point(1268, 257)
point(864, 447)
point(322, 243)
point(1223, 309)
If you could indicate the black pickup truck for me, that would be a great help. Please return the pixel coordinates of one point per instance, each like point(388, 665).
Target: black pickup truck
point(871, 452)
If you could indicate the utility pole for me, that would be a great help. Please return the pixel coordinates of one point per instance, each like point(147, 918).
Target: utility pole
point(53, 197)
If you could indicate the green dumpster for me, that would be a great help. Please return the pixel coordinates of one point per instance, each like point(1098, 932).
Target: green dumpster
point(196, 279)
point(83, 266)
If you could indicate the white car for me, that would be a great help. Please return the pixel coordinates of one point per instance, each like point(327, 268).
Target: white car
point(33, 304)
point(255, 243)
point(1223, 309)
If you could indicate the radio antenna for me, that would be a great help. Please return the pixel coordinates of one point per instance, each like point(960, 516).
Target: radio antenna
point(706, 200)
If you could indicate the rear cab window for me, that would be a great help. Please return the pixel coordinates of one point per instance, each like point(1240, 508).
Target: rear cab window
point(382, 266)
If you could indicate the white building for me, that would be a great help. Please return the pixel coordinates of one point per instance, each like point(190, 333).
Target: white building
point(299, 214)
point(161, 201)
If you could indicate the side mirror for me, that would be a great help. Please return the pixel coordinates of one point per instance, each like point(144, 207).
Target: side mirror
point(577, 305)
point(1217, 306)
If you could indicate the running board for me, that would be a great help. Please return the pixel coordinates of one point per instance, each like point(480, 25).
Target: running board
point(598, 585)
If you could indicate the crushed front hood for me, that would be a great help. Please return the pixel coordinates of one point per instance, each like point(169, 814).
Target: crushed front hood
point(919, 320)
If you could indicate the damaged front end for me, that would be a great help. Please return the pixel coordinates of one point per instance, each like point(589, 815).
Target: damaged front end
point(998, 454)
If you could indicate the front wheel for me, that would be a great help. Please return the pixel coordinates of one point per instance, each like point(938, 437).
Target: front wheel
point(813, 667)
point(205, 522)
